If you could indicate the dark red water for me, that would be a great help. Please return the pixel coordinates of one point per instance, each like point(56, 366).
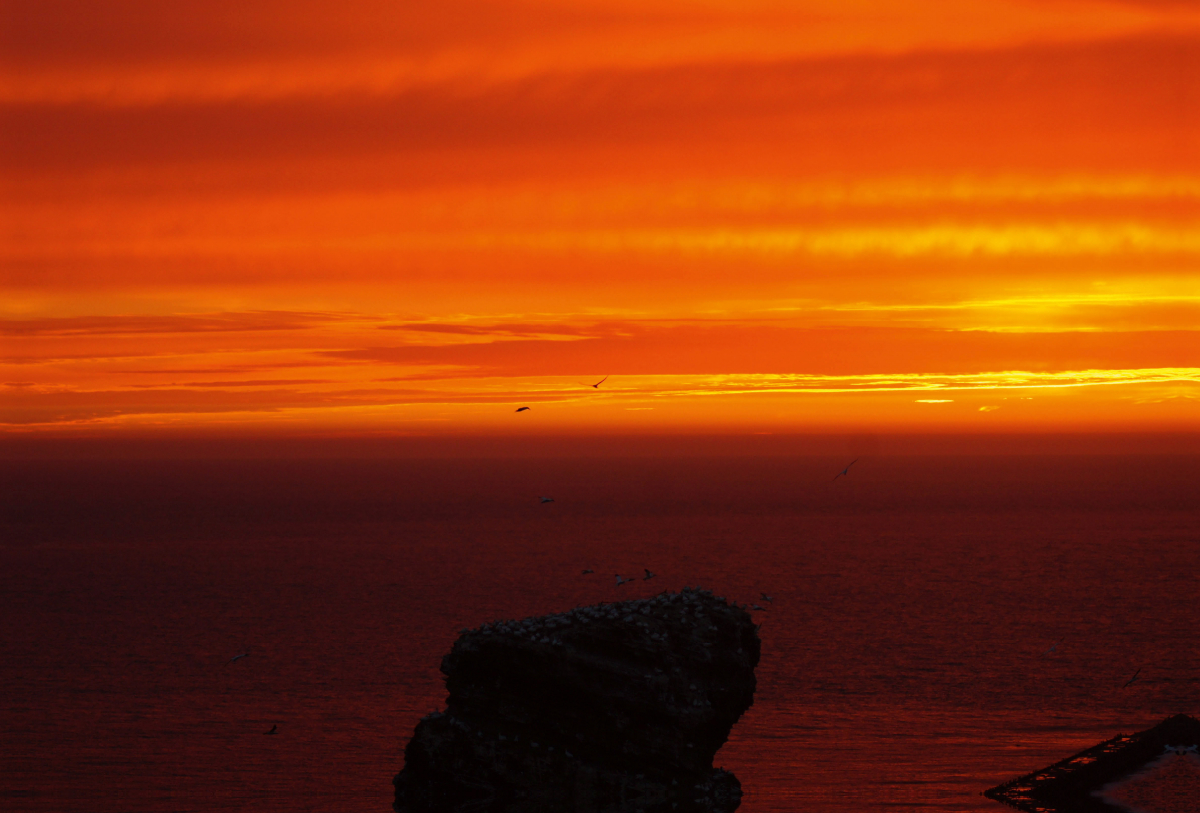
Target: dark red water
point(904, 655)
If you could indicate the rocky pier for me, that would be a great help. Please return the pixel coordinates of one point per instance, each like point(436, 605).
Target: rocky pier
point(1152, 771)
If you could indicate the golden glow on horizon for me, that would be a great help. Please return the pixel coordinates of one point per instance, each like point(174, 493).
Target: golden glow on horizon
point(1158, 399)
point(753, 216)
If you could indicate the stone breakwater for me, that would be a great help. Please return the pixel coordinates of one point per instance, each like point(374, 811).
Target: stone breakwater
point(611, 707)
point(1155, 771)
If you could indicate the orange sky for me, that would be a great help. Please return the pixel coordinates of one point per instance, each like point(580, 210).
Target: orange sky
point(770, 216)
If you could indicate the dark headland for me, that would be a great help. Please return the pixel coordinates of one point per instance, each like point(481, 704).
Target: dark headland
point(607, 708)
point(1157, 766)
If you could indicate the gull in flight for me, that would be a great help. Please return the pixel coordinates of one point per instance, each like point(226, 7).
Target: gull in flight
point(846, 471)
point(649, 575)
point(522, 409)
point(1051, 649)
point(588, 571)
point(765, 597)
point(274, 729)
point(546, 499)
point(237, 658)
point(1132, 679)
point(755, 607)
point(596, 386)
point(621, 581)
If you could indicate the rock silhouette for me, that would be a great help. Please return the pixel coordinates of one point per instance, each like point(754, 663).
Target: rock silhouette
point(603, 709)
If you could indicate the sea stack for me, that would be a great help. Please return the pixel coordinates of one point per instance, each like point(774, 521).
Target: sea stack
point(612, 707)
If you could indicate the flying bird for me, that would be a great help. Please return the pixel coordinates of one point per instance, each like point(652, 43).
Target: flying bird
point(765, 597)
point(237, 658)
point(1132, 679)
point(649, 575)
point(274, 729)
point(621, 581)
point(1051, 649)
point(755, 607)
point(546, 499)
point(596, 386)
point(846, 471)
point(587, 572)
point(522, 409)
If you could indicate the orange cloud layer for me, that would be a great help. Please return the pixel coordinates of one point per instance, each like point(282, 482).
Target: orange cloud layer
point(752, 215)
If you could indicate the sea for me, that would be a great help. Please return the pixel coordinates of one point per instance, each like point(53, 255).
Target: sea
point(936, 623)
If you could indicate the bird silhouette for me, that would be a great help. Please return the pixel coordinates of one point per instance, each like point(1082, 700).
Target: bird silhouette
point(1132, 679)
point(274, 729)
point(596, 386)
point(587, 572)
point(755, 607)
point(522, 409)
point(621, 581)
point(546, 499)
point(237, 658)
point(1051, 649)
point(846, 471)
point(765, 597)
point(649, 575)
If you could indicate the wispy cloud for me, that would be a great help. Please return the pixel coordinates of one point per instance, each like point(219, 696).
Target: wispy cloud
point(1035, 239)
point(257, 383)
point(562, 331)
point(164, 324)
point(140, 56)
point(343, 405)
point(951, 241)
point(1004, 380)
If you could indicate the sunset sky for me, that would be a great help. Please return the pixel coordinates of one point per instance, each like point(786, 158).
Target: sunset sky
point(757, 216)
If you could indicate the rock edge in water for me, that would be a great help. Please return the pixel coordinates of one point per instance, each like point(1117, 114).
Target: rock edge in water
point(606, 708)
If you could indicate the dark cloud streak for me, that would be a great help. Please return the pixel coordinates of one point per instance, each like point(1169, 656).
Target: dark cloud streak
point(756, 349)
point(935, 108)
point(184, 323)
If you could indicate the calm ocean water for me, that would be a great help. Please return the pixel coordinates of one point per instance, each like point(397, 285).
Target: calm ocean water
point(905, 655)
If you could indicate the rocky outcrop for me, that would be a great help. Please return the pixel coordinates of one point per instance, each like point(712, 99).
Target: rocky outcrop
point(613, 707)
